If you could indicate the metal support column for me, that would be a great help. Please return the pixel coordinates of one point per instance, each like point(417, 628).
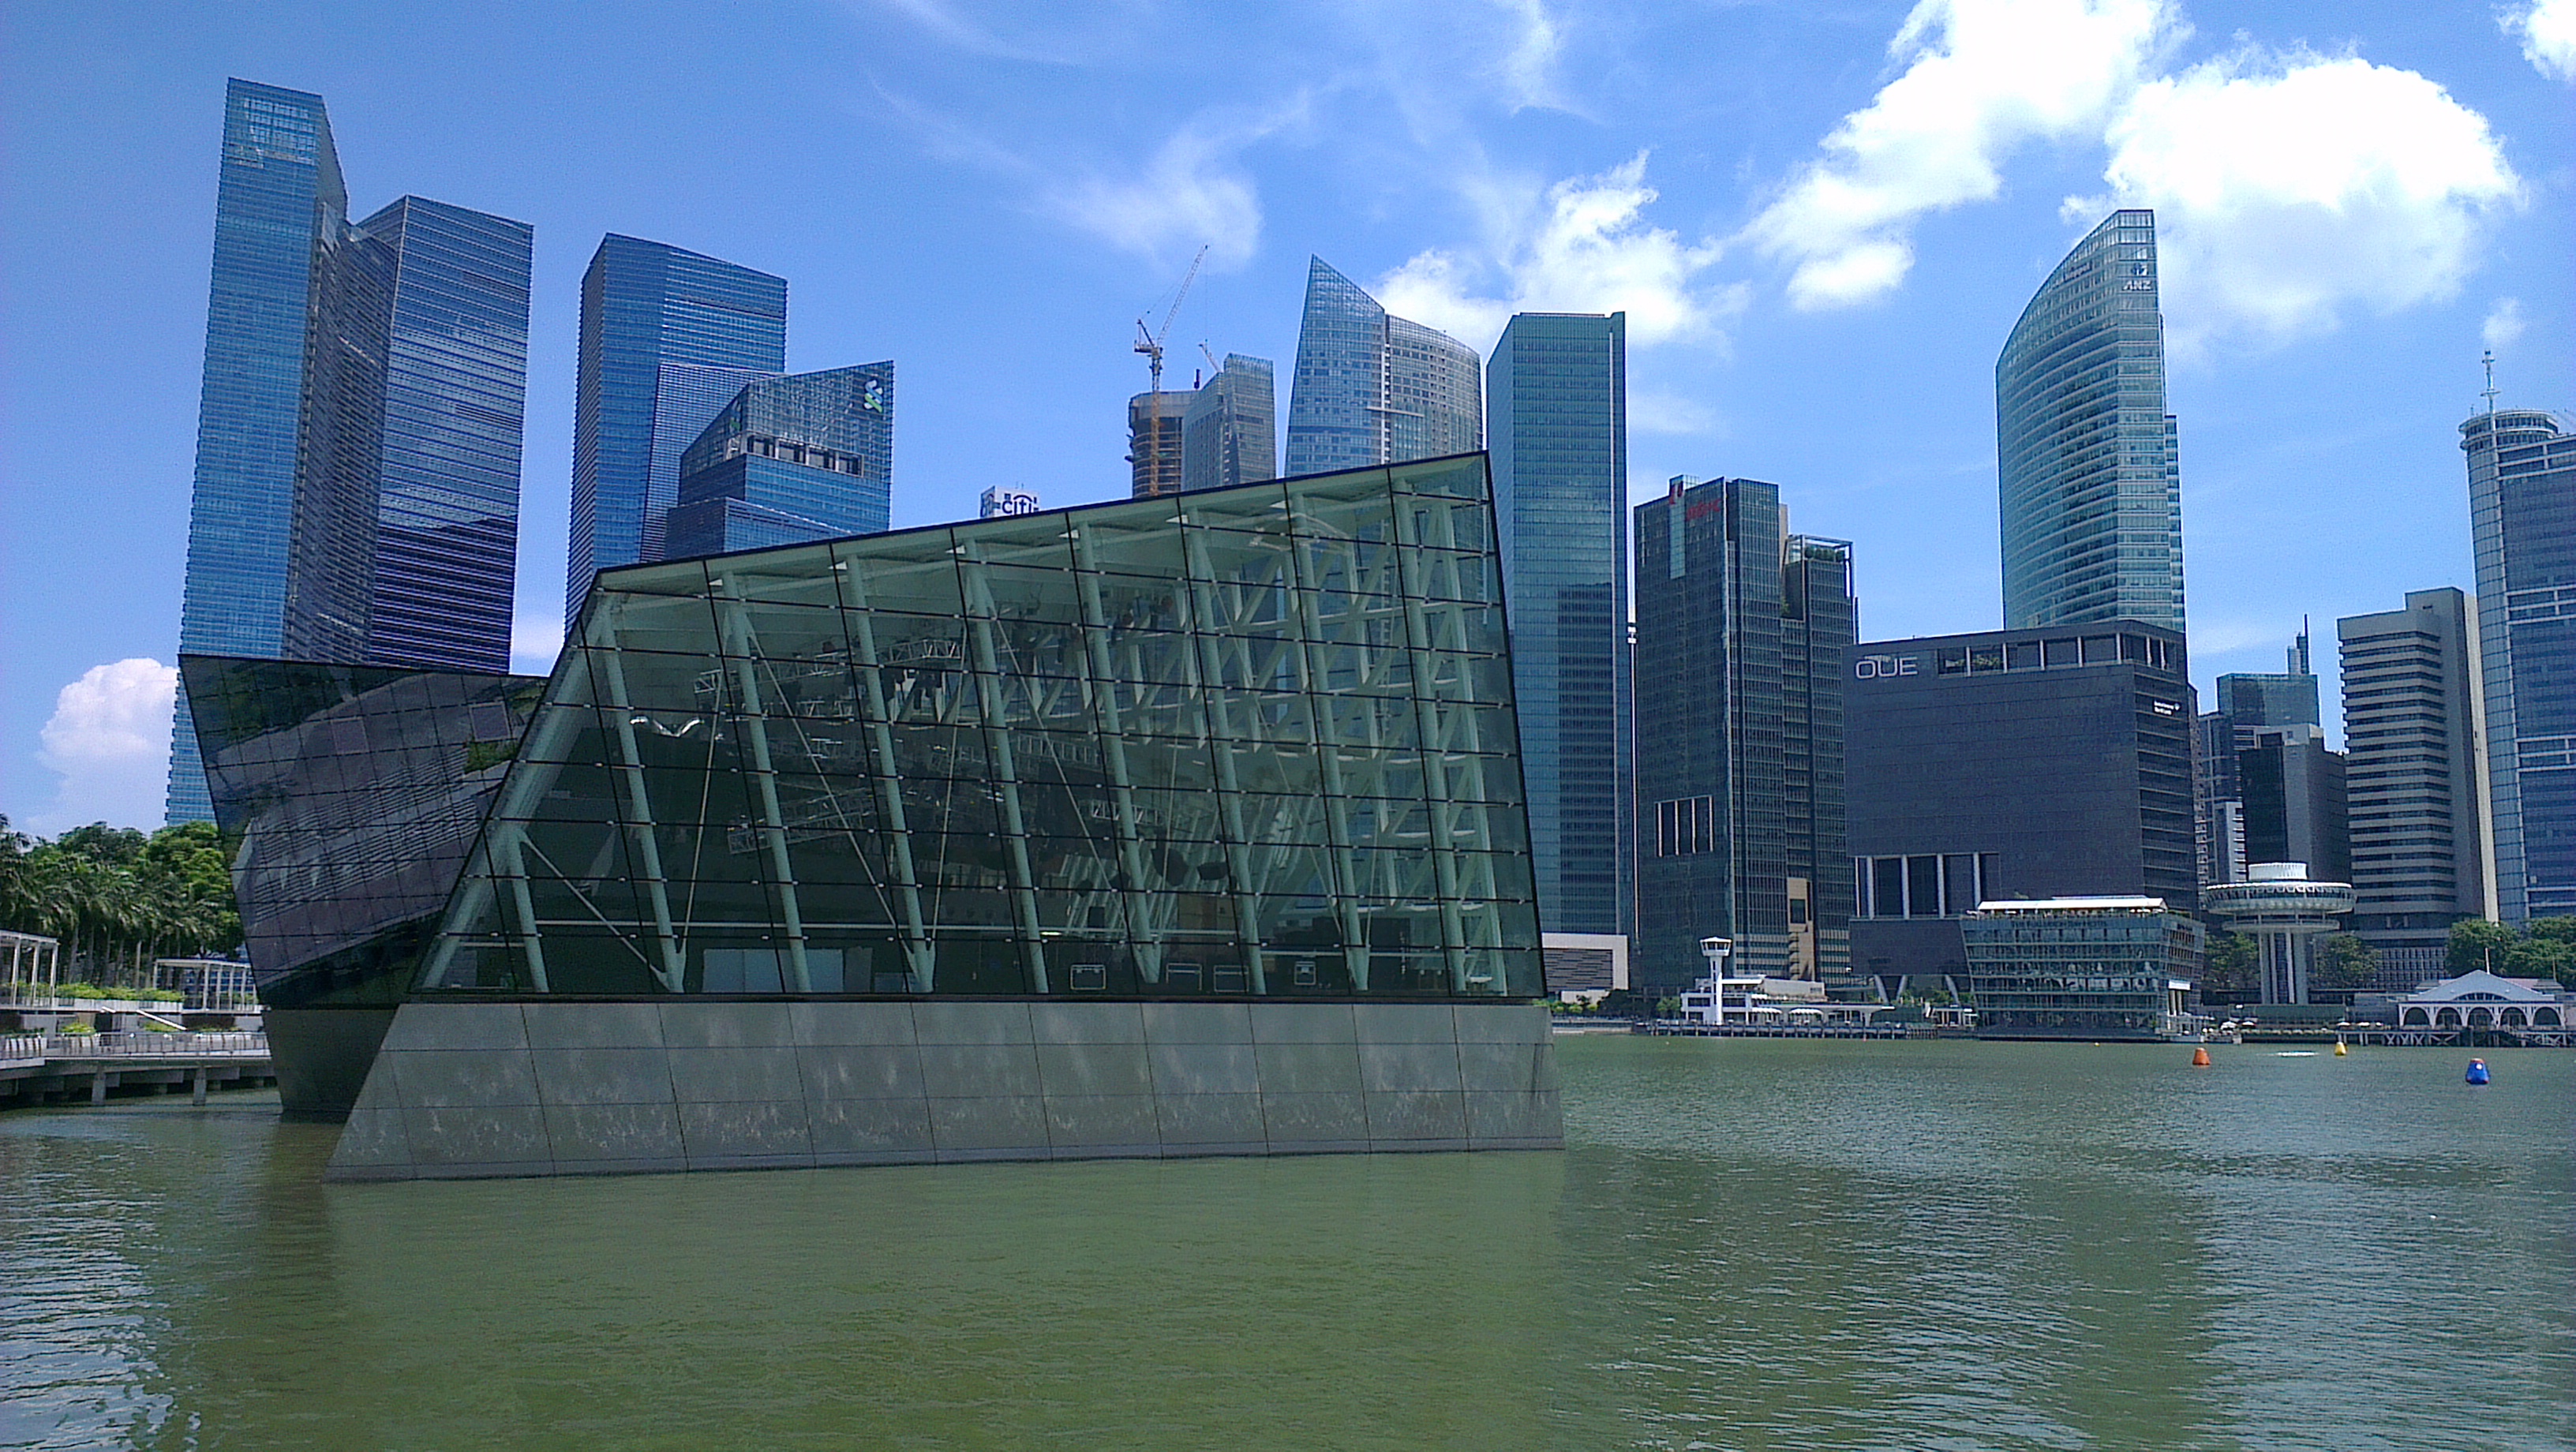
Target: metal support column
point(999, 759)
point(917, 954)
point(744, 646)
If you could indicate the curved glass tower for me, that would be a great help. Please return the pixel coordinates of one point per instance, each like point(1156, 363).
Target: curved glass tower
point(2092, 489)
point(1373, 389)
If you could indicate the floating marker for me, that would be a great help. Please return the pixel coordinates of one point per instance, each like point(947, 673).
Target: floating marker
point(2477, 1071)
point(2200, 1058)
point(2339, 1050)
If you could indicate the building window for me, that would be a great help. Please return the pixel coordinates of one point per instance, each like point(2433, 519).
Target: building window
point(1684, 825)
point(1926, 885)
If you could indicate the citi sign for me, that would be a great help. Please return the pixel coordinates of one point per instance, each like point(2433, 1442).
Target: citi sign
point(1880, 667)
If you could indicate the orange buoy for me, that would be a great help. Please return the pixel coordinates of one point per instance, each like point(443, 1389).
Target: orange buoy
point(2200, 1058)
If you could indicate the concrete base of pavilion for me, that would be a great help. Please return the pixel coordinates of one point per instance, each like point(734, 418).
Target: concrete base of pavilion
point(467, 1090)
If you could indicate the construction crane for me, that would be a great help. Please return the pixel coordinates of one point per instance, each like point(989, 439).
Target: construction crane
point(1214, 367)
point(1150, 343)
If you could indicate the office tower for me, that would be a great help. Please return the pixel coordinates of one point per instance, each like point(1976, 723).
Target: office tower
point(1557, 394)
point(805, 457)
point(2091, 480)
point(1741, 633)
point(2047, 763)
point(356, 489)
point(1154, 422)
point(2522, 522)
point(1373, 389)
point(1230, 431)
point(456, 382)
point(2413, 783)
point(2247, 702)
point(2290, 788)
point(668, 338)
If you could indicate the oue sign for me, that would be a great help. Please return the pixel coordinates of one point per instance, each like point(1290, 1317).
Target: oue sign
point(1008, 501)
point(1878, 667)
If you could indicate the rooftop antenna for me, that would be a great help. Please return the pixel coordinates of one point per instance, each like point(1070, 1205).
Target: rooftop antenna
point(2488, 358)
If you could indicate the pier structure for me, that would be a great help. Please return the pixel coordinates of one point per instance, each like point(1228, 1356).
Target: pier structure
point(66, 1068)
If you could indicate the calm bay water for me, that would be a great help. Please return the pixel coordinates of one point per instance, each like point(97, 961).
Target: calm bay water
point(1757, 1245)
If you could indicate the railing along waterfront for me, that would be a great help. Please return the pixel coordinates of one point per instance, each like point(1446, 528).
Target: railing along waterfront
point(154, 1046)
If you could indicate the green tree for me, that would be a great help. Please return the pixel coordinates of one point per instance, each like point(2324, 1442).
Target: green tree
point(2230, 974)
point(2474, 941)
point(2345, 964)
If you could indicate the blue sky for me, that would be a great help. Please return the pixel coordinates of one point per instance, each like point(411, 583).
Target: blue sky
point(1822, 218)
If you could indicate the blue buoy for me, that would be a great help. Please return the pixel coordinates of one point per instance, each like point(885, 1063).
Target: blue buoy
point(2477, 1071)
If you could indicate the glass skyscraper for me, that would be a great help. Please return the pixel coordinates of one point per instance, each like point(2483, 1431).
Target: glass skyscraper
point(805, 457)
point(1742, 629)
point(1230, 433)
point(2522, 519)
point(1373, 389)
point(668, 338)
point(1557, 398)
point(356, 490)
point(2091, 482)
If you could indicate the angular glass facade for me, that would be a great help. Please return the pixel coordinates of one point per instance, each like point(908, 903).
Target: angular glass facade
point(1253, 741)
point(347, 796)
point(1373, 389)
point(2080, 968)
point(2091, 483)
point(2522, 521)
point(807, 457)
point(1557, 397)
point(1741, 633)
point(356, 494)
point(668, 338)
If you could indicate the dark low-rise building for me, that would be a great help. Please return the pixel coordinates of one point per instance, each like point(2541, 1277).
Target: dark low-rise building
point(2012, 764)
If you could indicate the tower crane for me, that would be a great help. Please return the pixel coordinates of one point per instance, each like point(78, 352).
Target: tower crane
point(1150, 343)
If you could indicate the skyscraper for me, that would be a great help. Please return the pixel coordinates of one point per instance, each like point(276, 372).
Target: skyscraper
point(2413, 783)
point(805, 457)
point(668, 338)
point(2091, 481)
point(1154, 424)
point(1742, 629)
point(1557, 395)
point(1230, 432)
point(2248, 701)
point(1373, 389)
point(455, 386)
point(2522, 523)
point(356, 488)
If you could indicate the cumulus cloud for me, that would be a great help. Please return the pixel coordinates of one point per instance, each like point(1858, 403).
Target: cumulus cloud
point(1194, 191)
point(109, 739)
point(1582, 245)
point(2286, 189)
point(1980, 80)
point(2547, 30)
point(2504, 324)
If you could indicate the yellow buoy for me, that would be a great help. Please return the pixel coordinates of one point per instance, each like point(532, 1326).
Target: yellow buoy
point(2339, 1050)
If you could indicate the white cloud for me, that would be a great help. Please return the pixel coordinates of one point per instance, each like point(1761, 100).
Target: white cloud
point(1653, 411)
point(1582, 245)
point(1193, 192)
point(534, 644)
point(1982, 78)
point(2504, 324)
point(1528, 67)
point(2547, 30)
point(109, 738)
point(2287, 189)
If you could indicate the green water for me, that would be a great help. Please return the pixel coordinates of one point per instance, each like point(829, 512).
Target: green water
point(1756, 1244)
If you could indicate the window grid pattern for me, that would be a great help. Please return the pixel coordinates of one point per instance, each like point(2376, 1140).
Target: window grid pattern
point(1257, 740)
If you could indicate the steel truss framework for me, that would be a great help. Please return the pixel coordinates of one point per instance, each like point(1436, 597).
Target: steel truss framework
point(1255, 740)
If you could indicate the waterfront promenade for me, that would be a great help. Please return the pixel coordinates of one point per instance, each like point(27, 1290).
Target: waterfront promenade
point(58, 1068)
